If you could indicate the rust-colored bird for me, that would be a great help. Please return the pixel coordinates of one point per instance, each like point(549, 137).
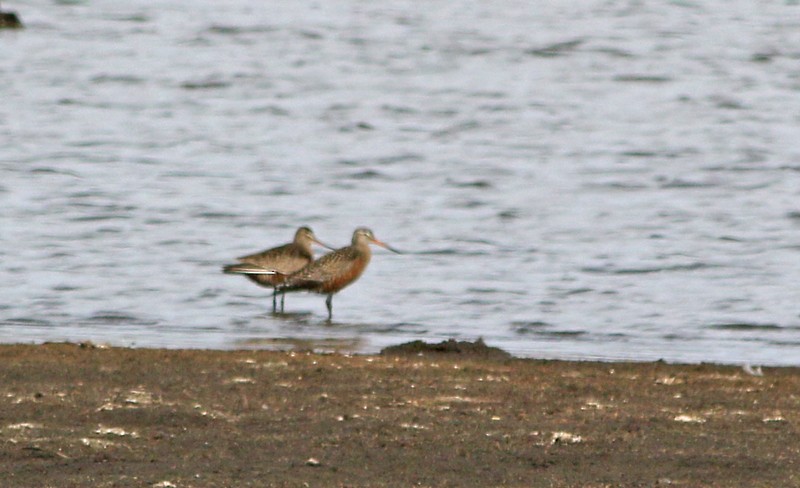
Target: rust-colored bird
point(334, 271)
point(271, 267)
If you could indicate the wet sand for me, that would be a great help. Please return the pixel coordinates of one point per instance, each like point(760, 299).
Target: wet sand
point(80, 415)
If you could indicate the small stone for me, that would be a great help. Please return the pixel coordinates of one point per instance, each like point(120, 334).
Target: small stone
point(565, 438)
point(689, 419)
point(314, 462)
point(242, 381)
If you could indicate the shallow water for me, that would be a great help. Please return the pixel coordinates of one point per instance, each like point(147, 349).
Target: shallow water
point(584, 180)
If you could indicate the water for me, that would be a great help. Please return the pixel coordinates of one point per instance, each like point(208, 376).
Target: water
point(613, 180)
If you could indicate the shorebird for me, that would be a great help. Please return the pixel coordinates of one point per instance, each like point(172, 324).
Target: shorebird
point(335, 270)
point(270, 268)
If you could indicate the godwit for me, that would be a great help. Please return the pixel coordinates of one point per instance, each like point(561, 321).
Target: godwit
point(334, 271)
point(271, 267)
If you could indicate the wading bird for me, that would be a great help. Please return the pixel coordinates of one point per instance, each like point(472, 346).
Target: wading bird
point(335, 270)
point(271, 267)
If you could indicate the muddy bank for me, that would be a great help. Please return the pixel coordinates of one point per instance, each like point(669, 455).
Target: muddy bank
point(88, 416)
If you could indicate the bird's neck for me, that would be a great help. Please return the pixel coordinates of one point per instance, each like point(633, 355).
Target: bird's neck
point(363, 250)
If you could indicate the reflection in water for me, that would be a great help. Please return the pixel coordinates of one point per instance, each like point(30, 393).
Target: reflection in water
point(318, 345)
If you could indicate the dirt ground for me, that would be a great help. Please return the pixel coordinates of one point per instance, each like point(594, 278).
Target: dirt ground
point(80, 415)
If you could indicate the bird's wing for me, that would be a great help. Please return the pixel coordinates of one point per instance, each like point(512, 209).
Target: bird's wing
point(323, 270)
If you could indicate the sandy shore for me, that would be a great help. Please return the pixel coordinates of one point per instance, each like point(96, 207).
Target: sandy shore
point(77, 415)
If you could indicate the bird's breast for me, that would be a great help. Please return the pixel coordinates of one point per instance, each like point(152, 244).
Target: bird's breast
point(344, 276)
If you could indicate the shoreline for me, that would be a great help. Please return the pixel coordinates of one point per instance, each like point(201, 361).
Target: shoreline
point(459, 415)
point(350, 347)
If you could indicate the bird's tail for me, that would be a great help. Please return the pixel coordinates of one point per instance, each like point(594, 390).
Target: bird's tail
point(249, 269)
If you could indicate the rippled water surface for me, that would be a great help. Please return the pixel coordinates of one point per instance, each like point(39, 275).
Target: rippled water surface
point(568, 179)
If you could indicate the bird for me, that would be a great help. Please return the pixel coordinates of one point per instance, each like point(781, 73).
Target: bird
point(270, 267)
point(332, 272)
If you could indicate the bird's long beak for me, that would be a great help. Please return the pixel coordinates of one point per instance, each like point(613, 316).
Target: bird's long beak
point(317, 241)
point(385, 246)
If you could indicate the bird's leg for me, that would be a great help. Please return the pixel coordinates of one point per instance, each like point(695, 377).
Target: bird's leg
point(274, 300)
point(329, 304)
point(283, 299)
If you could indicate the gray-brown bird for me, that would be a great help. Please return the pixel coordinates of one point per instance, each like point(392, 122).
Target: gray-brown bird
point(271, 267)
point(335, 270)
